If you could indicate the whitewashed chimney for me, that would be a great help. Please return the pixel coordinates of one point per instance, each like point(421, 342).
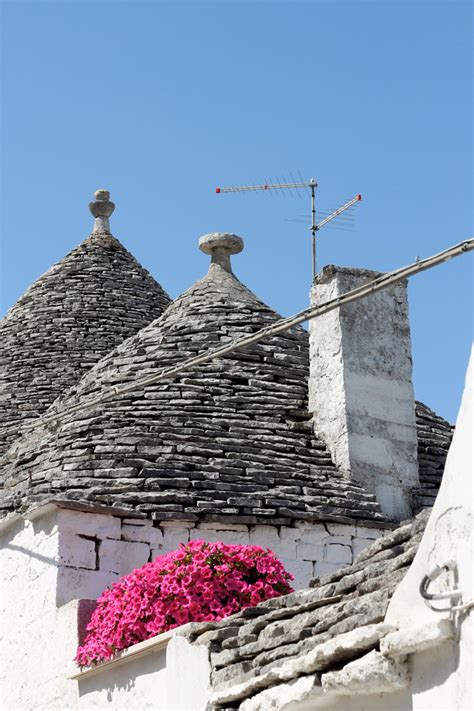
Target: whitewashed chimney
point(361, 390)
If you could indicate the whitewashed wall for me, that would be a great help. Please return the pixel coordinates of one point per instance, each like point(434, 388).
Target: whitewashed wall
point(64, 555)
point(96, 549)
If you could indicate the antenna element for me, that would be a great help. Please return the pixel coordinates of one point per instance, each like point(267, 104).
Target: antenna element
point(311, 185)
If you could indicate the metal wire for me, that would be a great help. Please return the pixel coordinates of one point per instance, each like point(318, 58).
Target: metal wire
point(382, 282)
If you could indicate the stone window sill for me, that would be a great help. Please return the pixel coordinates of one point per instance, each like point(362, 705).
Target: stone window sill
point(148, 646)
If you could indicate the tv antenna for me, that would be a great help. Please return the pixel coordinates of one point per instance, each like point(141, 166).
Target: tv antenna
point(310, 185)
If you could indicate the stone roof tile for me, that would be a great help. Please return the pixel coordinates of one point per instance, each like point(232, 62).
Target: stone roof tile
point(75, 313)
point(230, 438)
point(253, 649)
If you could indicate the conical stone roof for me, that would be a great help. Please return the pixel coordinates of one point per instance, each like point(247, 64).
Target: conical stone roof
point(230, 438)
point(75, 313)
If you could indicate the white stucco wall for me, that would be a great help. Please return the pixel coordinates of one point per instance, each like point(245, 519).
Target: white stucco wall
point(442, 678)
point(64, 555)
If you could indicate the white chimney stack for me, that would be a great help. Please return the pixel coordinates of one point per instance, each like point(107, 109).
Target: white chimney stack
point(361, 391)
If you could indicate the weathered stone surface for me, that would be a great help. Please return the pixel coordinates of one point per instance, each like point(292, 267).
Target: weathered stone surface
point(230, 438)
point(258, 653)
point(434, 439)
point(334, 651)
point(122, 556)
point(361, 361)
point(304, 689)
point(73, 315)
point(371, 674)
point(417, 639)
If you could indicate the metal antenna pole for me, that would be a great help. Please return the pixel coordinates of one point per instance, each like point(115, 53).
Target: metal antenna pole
point(313, 185)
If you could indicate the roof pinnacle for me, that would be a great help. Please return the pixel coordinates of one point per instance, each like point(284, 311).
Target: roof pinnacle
point(220, 245)
point(101, 208)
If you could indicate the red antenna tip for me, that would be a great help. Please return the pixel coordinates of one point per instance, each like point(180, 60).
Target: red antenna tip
point(218, 190)
point(359, 197)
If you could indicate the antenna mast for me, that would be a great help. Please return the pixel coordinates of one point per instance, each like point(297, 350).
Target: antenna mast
point(311, 185)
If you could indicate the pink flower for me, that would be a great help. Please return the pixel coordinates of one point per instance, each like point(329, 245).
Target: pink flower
point(199, 582)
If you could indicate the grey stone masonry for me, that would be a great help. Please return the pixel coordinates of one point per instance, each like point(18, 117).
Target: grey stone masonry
point(361, 391)
point(229, 439)
point(250, 649)
point(434, 439)
point(88, 303)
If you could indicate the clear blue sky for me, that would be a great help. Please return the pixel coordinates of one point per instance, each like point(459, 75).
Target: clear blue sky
point(162, 101)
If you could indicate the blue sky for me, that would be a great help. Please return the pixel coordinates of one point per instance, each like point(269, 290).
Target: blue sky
point(160, 102)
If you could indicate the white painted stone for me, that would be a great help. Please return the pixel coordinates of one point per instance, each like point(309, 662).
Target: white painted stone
point(232, 537)
point(337, 553)
point(89, 524)
point(369, 532)
point(76, 551)
point(360, 388)
point(284, 549)
point(318, 534)
point(173, 537)
point(122, 556)
point(310, 551)
point(417, 639)
point(265, 536)
point(75, 583)
point(301, 569)
point(344, 540)
point(188, 676)
point(371, 674)
point(359, 545)
point(216, 526)
point(442, 675)
point(340, 529)
point(324, 568)
point(143, 534)
point(280, 697)
point(288, 533)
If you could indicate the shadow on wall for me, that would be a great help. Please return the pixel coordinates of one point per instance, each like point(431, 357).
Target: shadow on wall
point(115, 683)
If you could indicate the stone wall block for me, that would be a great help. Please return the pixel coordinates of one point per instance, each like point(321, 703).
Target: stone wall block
point(231, 537)
point(317, 535)
point(173, 537)
point(216, 526)
point(79, 583)
point(337, 553)
point(368, 532)
point(301, 569)
point(122, 556)
point(290, 534)
point(284, 549)
point(341, 529)
point(76, 551)
point(359, 545)
point(89, 524)
point(143, 534)
point(310, 551)
point(325, 568)
point(265, 536)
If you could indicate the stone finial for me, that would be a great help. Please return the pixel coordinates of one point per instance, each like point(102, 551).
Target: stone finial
point(220, 245)
point(101, 208)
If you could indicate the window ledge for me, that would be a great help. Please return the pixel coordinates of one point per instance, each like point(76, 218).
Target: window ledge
point(148, 646)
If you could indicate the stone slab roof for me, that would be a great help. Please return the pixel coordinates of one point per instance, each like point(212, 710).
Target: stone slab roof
point(75, 313)
point(309, 633)
point(434, 439)
point(231, 438)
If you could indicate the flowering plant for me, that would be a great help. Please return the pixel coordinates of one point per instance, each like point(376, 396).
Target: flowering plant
point(199, 582)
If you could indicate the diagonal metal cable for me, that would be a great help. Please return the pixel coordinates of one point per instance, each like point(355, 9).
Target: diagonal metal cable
point(382, 282)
